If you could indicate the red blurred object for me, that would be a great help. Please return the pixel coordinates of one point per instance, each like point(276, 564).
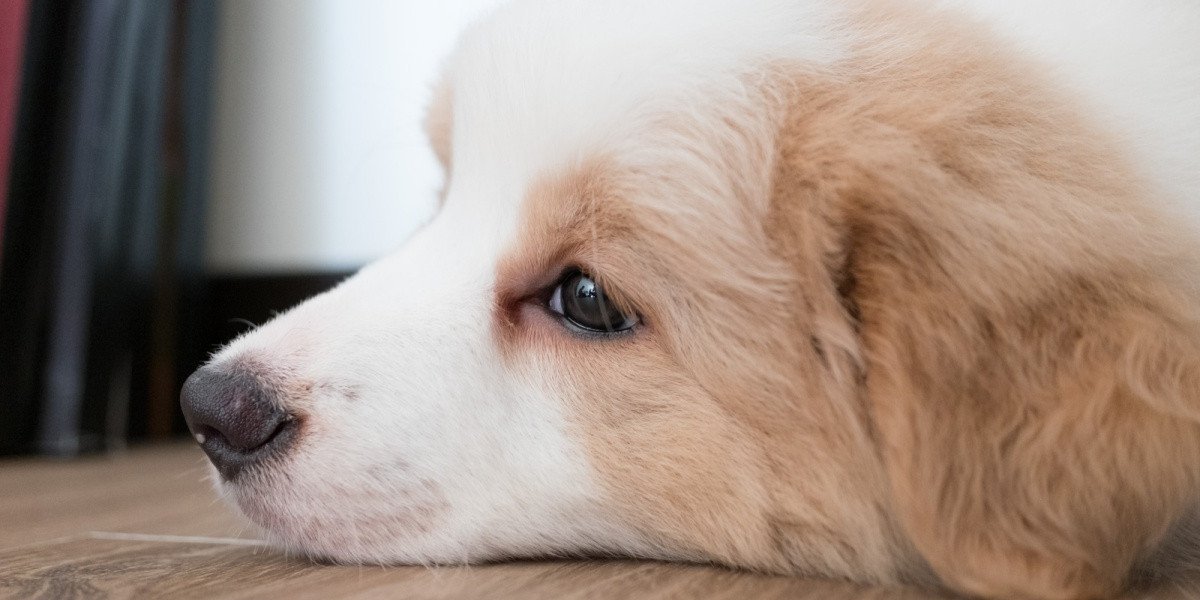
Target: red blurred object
point(12, 40)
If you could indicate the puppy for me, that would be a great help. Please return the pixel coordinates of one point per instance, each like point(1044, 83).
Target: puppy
point(891, 291)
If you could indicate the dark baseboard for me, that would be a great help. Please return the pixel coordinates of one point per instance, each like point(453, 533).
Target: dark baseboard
point(234, 302)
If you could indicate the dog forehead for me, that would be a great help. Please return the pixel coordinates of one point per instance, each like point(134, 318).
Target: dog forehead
point(536, 86)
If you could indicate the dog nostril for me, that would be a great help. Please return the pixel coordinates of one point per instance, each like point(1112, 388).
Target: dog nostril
point(233, 418)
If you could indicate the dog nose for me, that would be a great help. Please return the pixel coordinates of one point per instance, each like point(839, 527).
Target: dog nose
point(234, 418)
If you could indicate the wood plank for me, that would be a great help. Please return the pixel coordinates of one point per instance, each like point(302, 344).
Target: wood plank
point(106, 568)
point(161, 489)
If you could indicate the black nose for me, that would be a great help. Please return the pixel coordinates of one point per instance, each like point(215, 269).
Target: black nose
point(234, 418)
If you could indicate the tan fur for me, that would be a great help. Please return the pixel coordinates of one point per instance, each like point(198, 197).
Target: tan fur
point(692, 439)
point(921, 313)
point(1032, 356)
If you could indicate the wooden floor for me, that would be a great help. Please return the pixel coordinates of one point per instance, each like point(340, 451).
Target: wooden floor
point(145, 525)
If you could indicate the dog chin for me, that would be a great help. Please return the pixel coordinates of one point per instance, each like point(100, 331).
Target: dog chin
point(340, 528)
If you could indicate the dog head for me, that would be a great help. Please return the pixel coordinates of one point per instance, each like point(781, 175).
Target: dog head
point(736, 282)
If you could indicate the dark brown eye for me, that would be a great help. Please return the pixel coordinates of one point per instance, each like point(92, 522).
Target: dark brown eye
point(582, 304)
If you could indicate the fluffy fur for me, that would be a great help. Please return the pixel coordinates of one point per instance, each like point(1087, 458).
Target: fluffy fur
point(916, 287)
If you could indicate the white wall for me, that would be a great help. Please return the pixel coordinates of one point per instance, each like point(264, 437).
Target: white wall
point(319, 159)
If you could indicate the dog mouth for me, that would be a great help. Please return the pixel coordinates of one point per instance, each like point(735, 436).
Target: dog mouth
point(339, 521)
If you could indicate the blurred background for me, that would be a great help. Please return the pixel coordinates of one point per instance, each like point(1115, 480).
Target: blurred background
point(172, 172)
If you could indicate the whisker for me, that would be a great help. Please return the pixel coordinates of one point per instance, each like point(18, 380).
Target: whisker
point(246, 322)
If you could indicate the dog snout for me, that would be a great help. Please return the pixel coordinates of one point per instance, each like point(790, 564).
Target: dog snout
point(235, 418)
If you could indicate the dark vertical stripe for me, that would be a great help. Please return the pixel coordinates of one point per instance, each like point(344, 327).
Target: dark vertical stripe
point(107, 243)
point(32, 217)
point(175, 343)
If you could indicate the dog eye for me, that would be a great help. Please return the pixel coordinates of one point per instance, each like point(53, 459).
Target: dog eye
point(581, 302)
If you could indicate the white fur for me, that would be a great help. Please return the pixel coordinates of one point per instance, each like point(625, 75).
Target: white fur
point(541, 84)
point(423, 445)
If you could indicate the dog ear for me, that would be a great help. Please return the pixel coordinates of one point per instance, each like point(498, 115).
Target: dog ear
point(1030, 356)
point(1032, 371)
point(1037, 424)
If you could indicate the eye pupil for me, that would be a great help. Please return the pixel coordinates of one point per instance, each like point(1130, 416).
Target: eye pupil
point(585, 305)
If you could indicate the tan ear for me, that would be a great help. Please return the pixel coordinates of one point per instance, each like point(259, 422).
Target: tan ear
point(1036, 417)
point(1038, 439)
point(1033, 374)
point(1030, 351)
